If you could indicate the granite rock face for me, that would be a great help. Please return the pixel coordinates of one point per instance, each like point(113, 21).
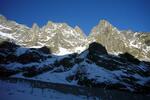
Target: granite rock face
point(64, 39)
point(115, 41)
point(57, 36)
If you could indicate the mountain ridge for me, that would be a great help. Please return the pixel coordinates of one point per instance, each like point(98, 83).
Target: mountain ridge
point(62, 37)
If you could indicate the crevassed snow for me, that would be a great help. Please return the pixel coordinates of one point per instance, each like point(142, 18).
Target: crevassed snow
point(6, 35)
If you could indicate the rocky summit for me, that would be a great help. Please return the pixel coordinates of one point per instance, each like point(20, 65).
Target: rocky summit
point(115, 41)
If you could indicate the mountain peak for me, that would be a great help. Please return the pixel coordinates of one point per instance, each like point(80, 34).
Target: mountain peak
point(2, 19)
point(79, 30)
point(104, 24)
point(103, 27)
point(49, 22)
point(35, 27)
point(61, 35)
point(77, 27)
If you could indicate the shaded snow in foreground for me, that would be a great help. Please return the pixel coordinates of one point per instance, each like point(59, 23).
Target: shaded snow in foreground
point(54, 77)
point(92, 71)
point(13, 91)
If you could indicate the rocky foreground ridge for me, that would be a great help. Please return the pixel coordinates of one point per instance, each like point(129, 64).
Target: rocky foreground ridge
point(94, 67)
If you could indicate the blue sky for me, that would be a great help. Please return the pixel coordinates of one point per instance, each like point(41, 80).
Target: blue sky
point(124, 14)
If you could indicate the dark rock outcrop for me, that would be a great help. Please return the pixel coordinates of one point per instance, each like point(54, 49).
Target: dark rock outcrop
point(129, 57)
point(30, 57)
point(45, 50)
point(97, 48)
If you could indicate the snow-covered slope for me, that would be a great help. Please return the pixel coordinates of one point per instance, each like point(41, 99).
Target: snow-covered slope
point(94, 67)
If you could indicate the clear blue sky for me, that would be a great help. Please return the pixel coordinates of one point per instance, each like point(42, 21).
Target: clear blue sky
point(124, 14)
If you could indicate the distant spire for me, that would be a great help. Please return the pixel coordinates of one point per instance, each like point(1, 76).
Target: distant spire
point(104, 23)
point(2, 18)
point(79, 30)
point(103, 27)
point(49, 22)
point(35, 28)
